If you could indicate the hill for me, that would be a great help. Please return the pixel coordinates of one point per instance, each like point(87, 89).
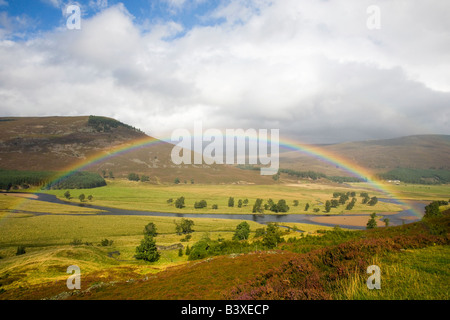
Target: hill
point(380, 156)
point(62, 143)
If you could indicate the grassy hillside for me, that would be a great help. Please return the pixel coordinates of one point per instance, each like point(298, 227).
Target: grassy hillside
point(62, 143)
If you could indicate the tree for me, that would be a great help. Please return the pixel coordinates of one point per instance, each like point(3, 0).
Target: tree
point(365, 199)
point(259, 232)
point(215, 206)
point(188, 251)
point(373, 201)
point(170, 201)
point(351, 204)
point(327, 206)
point(239, 203)
point(231, 202)
point(67, 195)
point(180, 252)
point(343, 198)
point(185, 226)
point(257, 206)
point(242, 231)
point(145, 178)
point(111, 175)
point(245, 202)
point(82, 197)
point(272, 237)
point(147, 250)
point(179, 203)
point(372, 223)
point(432, 210)
point(307, 207)
point(150, 229)
point(282, 206)
point(90, 197)
point(295, 203)
point(386, 221)
point(177, 180)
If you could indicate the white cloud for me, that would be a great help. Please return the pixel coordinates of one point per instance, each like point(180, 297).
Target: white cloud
point(311, 69)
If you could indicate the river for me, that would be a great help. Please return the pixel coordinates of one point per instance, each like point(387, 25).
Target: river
point(343, 220)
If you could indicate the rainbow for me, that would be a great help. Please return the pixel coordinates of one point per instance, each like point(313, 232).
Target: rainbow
point(294, 145)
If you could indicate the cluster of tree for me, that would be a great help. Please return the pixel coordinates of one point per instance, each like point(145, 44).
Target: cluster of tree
point(78, 180)
point(109, 175)
point(371, 201)
point(420, 176)
point(178, 181)
point(200, 204)
point(280, 206)
point(135, 177)
point(318, 175)
point(432, 209)
point(267, 238)
point(345, 196)
point(239, 204)
point(81, 197)
point(15, 179)
point(180, 203)
point(103, 124)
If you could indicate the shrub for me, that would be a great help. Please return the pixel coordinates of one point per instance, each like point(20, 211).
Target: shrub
point(106, 243)
point(76, 242)
point(20, 250)
point(133, 177)
point(201, 204)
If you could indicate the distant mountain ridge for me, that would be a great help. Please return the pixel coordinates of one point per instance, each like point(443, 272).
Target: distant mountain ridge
point(417, 152)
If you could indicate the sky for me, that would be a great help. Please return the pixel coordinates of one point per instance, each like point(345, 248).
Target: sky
point(319, 71)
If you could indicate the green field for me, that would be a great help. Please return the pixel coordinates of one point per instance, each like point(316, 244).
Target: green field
point(72, 235)
point(149, 197)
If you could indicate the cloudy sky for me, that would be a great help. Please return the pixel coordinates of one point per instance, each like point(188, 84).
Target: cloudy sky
point(320, 71)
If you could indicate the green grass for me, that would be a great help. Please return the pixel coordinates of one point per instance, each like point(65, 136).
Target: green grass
point(47, 240)
point(420, 274)
point(148, 197)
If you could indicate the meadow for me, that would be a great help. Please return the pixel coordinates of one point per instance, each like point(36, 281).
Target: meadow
point(133, 195)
